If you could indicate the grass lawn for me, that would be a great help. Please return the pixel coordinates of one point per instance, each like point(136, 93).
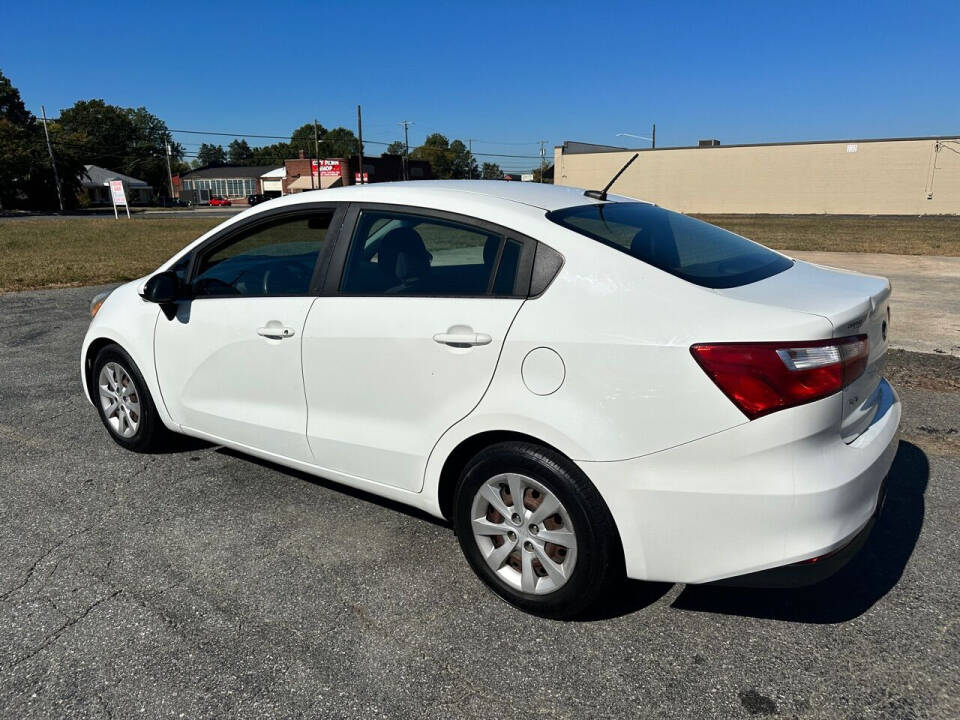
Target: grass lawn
point(89, 251)
point(935, 235)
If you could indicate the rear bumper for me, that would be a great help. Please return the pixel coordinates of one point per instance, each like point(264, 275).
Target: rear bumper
point(769, 493)
point(814, 570)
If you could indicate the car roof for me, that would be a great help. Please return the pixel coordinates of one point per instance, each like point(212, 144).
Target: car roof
point(539, 195)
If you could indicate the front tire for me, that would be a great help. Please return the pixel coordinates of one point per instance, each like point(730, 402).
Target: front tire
point(124, 403)
point(536, 531)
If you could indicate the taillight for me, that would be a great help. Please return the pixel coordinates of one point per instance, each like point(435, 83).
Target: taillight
point(761, 378)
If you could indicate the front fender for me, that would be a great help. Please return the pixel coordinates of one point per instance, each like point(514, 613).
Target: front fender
point(129, 321)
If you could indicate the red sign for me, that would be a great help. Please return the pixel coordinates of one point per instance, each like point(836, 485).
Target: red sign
point(366, 177)
point(326, 167)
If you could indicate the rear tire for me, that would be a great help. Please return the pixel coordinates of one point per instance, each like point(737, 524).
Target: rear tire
point(555, 553)
point(124, 404)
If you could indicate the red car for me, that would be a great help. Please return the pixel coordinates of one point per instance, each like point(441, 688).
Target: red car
point(217, 201)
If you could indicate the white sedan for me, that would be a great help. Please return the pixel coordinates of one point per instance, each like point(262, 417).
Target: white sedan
point(587, 386)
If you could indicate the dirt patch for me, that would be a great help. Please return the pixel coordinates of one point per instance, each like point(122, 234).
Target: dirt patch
point(923, 371)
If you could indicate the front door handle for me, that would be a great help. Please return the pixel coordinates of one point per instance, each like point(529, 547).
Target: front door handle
point(277, 332)
point(459, 338)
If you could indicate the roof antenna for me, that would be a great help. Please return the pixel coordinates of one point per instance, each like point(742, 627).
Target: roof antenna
point(602, 194)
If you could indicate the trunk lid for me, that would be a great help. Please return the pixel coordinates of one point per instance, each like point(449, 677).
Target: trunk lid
point(854, 304)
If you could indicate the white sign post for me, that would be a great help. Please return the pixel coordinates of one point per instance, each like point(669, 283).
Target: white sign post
point(119, 198)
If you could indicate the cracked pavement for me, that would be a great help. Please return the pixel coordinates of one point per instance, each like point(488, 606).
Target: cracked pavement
point(200, 584)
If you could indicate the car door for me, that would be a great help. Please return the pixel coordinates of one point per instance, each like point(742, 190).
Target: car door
point(229, 358)
point(405, 340)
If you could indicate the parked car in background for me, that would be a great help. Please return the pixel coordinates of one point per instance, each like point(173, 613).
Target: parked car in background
point(586, 386)
point(217, 201)
point(171, 202)
point(256, 199)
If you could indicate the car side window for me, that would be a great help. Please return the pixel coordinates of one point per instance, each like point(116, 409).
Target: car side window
point(276, 258)
point(405, 254)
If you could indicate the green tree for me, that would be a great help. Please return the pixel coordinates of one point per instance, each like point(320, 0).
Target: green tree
point(132, 141)
point(26, 178)
point(545, 177)
point(395, 148)
point(491, 171)
point(147, 155)
point(462, 163)
point(17, 125)
point(106, 132)
point(447, 159)
point(211, 155)
point(239, 152)
point(436, 151)
point(339, 142)
point(303, 138)
point(273, 154)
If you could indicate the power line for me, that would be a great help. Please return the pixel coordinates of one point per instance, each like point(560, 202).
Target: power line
point(405, 123)
point(229, 134)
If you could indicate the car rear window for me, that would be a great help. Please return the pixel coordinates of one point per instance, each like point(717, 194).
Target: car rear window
point(689, 249)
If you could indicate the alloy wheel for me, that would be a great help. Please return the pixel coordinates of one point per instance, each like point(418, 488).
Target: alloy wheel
point(524, 533)
point(119, 399)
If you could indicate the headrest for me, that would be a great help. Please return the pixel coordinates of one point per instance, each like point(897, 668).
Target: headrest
point(402, 254)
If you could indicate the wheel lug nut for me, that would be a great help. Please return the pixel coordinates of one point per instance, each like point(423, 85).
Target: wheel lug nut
point(534, 529)
point(528, 546)
point(512, 535)
point(515, 519)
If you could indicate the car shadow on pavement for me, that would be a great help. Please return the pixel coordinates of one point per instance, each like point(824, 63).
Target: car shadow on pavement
point(337, 487)
point(182, 444)
point(634, 596)
point(870, 575)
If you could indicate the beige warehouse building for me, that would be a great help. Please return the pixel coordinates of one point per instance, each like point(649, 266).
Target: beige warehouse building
point(901, 176)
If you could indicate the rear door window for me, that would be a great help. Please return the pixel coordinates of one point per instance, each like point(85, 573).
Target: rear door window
point(687, 248)
point(404, 254)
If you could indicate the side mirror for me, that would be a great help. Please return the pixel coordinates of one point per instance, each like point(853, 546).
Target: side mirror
point(162, 288)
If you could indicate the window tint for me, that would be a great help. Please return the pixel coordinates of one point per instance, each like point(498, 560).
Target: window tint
point(507, 270)
point(401, 254)
point(690, 249)
point(273, 259)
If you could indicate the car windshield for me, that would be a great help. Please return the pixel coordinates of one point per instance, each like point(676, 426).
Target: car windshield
point(687, 248)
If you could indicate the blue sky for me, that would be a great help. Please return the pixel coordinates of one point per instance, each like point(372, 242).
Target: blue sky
point(508, 74)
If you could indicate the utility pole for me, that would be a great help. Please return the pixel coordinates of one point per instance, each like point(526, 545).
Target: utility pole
point(653, 137)
point(53, 163)
point(542, 157)
point(169, 172)
point(360, 141)
point(316, 150)
point(406, 148)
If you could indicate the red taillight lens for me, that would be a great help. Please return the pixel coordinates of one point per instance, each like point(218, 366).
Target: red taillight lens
point(761, 378)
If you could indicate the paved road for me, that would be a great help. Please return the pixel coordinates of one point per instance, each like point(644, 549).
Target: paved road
point(925, 300)
point(202, 584)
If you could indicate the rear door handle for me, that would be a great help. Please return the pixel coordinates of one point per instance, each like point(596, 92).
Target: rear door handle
point(462, 339)
point(277, 332)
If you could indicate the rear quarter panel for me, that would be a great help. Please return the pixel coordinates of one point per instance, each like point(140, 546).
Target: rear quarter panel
point(623, 330)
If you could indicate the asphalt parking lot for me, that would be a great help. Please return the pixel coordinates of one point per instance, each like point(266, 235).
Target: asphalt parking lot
point(200, 583)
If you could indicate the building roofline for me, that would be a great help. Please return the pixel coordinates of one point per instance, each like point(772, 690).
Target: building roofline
point(565, 149)
point(247, 171)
